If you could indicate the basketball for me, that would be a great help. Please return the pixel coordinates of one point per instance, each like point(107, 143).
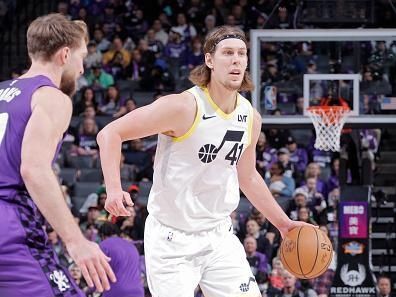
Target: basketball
point(306, 252)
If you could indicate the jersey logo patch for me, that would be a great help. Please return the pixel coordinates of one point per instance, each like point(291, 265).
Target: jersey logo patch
point(60, 279)
point(204, 117)
point(242, 118)
point(208, 152)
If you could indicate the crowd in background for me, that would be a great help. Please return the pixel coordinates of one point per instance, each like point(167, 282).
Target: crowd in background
point(152, 46)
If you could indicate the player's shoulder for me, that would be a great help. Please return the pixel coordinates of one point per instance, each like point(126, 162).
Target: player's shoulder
point(180, 102)
point(257, 118)
point(244, 100)
point(51, 97)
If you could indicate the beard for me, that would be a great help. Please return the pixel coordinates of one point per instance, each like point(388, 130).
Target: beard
point(233, 85)
point(68, 84)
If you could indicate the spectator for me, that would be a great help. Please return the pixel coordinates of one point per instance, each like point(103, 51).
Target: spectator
point(220, 11)
point(85, 140)
point(187, 30)
point(195, 56)
point(136, 25)
point(265, 155)
point(117, 47)
point(125, 262)
point(89, 113)
point(314, 170)
point(315, 199)
point(91, 217)
point(175, 52)
point(210, 24)
point(94, 56)
point(96, 8)
point(87, 100)
point(306, 288)
point(117, 66)
point(55, 241)
point(239, 16)
point(305, 215)
point(83, 15)
point(128, 106)
point(289, 287)
point(276, 274)
point(138, 205)
point(102, 43)
point(283, 155)
point(63, 8)
point(258, 262)
point(196, 13)
point(132, 227)
point(98, 79)
point(300, 199)
point(76, 274)
point(154, 45)
point(333, 181)
point(282, 19)
point(165, 23)
point(263, 244)
point(279, 184)
point(74, 8)
point(265, 227)
point(136, 69)
point(112, 102)
point(298, 157)
point(384, 286)
point(159, 32)
point(148, 57)
point(277, 138)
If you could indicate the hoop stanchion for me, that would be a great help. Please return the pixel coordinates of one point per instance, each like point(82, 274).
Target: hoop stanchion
point(328, 122)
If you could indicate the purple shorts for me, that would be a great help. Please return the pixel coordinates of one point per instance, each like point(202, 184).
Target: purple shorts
point(28, 264)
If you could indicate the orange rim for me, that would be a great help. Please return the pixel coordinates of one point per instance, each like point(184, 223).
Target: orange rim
point(324, 111)
point(327, 108)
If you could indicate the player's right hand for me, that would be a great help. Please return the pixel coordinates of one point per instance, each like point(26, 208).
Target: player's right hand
point(94, 264)
point(117, 203)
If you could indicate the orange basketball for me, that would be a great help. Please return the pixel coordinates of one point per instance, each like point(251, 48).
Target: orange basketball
point(306, 252)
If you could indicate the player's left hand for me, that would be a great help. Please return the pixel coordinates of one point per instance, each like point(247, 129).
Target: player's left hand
point(291, 225)
point(119, 203)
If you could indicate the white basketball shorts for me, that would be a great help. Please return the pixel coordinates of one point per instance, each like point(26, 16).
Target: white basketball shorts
point(176, 262)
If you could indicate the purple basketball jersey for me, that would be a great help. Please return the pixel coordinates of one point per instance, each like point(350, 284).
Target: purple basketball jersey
point(15, 111)
point(125, 262)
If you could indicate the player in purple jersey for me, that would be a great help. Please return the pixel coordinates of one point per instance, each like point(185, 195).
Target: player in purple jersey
point(125, 261)
point(34, 113)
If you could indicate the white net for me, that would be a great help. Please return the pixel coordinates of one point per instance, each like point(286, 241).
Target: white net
point(328, 122)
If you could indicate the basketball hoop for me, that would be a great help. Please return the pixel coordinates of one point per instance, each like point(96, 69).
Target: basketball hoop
point(328, 122)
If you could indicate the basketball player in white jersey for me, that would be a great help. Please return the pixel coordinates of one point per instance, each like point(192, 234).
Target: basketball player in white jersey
point(206, 152)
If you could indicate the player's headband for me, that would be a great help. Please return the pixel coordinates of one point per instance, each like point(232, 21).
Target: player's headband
point(228, 36)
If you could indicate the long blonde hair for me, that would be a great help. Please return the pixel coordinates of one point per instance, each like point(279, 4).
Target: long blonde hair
point(201, 74)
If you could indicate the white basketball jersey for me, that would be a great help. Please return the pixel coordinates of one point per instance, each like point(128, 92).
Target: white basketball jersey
point(195, 184)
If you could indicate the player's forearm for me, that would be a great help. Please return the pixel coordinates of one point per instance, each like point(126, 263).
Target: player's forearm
point(259, 195)
point(46, 193)
point(110, 158)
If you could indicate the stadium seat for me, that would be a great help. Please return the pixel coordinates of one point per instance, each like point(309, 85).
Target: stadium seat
point(90, 175)
point(77, 202)
point(68, 175)
point(143, 98)
point(81, 162)
point(103, 121)
point(83, 189)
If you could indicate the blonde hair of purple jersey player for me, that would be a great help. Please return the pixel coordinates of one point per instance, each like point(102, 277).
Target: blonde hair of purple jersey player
point(47, 34)
point(201, 74)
